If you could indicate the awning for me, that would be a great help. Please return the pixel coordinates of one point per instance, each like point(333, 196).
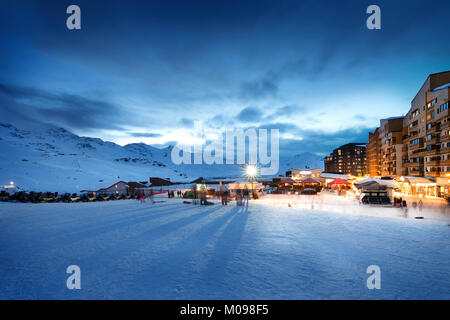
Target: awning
point(309, 181)
point(388, 183)
point(288, 180)
point(339, 181)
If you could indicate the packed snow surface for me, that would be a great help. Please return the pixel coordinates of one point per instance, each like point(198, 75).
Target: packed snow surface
point(314, 249)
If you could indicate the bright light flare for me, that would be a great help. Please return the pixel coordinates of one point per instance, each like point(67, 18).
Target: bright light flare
point(251, 171)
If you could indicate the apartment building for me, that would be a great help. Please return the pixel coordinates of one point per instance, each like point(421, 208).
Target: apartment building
point(373, 153)
point(427, 139)
point(348, 159)
point(391, 146)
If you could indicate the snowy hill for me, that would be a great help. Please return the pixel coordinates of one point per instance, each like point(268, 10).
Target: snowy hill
point(47, 158)
point(306, 160)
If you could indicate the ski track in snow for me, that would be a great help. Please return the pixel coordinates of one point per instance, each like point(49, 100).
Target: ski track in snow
point(170, 250)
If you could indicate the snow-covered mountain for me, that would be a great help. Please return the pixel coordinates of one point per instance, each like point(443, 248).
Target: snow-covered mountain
point(305, 160)
point(47, 158)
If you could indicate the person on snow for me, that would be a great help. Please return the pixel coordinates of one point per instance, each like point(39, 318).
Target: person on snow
point(224, 198)
point(246, 196)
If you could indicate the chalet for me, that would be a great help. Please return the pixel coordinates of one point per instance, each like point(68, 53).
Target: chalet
point(134, 186)
point(119, 188)
point(158, 182)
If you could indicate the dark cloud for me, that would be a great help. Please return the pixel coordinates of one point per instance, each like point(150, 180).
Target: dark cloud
point(283, 112)
point(319, 141)
point(259, 89)
point(249, 114)
point(201, 54)
point(186, 122)
point(62, 109)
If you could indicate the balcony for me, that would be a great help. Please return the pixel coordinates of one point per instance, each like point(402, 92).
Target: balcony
point(413, 164)
point(444, 150)
point(415, 147)
point(416, 173)
point(434, 172)
point(445, 125)
point(433, 163)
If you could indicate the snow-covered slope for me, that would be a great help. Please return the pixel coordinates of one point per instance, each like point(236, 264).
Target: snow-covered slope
point(306, 160)
point(47, 158)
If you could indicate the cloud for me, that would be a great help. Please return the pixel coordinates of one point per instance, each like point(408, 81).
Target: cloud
point(249, 114)
point(259, 89)
point(144, 134)
point(284, 112)
point(360, 117)
point(294, 140)
point(186, 122)
point(62, 109)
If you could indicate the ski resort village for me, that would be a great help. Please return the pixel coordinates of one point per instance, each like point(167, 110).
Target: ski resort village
point(82, 218)
point(224, 150)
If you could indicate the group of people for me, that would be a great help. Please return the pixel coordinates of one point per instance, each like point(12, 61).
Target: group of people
point(399, 203)
point(171, 194)
point(242, 197)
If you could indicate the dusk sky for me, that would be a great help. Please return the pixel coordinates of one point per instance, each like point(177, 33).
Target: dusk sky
point(144, 71)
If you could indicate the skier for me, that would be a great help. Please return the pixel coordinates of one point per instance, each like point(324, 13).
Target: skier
point(420, 205)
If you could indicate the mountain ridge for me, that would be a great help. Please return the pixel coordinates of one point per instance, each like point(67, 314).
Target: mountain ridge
point(49, 158)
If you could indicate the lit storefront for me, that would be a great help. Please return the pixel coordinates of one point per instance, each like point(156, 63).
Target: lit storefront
point(443, 187)
point(418, 186)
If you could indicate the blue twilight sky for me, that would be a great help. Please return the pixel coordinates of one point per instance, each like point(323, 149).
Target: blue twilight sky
point(143, 71)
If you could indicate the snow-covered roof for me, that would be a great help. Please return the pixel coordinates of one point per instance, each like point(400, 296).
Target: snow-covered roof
point(445, 86)
point(415, 180)
point(387, 183)
point(335, 175)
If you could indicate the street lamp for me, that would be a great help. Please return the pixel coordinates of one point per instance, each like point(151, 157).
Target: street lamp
point(251, 172)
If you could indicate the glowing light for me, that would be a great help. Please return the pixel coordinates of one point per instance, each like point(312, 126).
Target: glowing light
point(11, 183)
point(251, 171)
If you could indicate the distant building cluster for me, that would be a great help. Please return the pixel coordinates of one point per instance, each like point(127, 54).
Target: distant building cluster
point(348, 159)
point(414, 145)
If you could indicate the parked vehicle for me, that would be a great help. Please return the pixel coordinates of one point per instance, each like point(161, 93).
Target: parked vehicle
point(49, 197)
point(35, 197)
point(20, 196)
point(114, 197)
point(88, 197)
point(4, 196)
point(70, 197)
point(102, 197)
point(74, 198)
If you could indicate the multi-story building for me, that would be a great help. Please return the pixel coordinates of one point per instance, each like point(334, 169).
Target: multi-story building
point(427, 140)
point(373, 153)
point(391, 146)
point(348, 159)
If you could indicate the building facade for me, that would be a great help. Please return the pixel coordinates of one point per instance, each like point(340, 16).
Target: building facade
point(348, 159)
point(391, 146)
point(373, 153)
point(427, 140)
